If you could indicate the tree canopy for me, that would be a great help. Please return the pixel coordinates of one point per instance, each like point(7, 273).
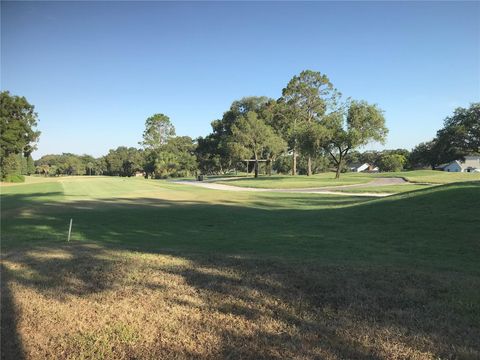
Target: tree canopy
point(215, 152)
point(158, 130)
point(391, 162)
point(18, 121)
point(355, 125)
point(252, 137)
point(459, 137)
point(308, 96)
point(461, 132)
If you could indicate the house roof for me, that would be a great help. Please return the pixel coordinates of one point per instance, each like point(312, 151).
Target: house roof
point(358, 164)
point(472, 162)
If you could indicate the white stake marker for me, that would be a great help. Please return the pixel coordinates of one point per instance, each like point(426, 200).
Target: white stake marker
point(70, 229)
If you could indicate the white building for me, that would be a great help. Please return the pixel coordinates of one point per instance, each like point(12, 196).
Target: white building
point(471, 164)
point(363, 167)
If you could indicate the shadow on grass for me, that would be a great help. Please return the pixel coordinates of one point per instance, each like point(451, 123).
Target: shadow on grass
point(333, 309)
point(12, 202)
point(271, 308)
point(10, 341)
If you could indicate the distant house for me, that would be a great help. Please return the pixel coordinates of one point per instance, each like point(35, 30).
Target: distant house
point(139, 174)
point(365, 167)
point(470, 164)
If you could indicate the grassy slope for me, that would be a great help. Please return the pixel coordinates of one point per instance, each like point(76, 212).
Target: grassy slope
point(392, 189)
point(158, 215)
point(328, 179)
point(434, 177)
point(276, 269)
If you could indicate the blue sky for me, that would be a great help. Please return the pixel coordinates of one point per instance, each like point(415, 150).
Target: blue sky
point(96, 70)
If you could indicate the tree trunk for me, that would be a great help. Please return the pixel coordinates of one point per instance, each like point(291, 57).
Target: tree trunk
point(294, 162)
point(339, 166)
point(256, 167)
point(309, 166)
point(337, 175)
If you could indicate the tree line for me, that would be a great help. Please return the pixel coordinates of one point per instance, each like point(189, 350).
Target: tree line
point(309, 129)
point(173, 158)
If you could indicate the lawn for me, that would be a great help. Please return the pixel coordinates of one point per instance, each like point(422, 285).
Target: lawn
point(388, 189)
point(328, 179)
point(299, 181)
point(433, 176)
point(162, 270)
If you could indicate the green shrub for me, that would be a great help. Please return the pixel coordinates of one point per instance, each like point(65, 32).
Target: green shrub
point(14, 178)
point(392, 162)
point(10, 164)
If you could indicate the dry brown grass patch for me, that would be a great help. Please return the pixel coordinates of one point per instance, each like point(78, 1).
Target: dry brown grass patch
point(88, 302)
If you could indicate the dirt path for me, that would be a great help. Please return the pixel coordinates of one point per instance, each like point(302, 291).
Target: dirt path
point(321, 190)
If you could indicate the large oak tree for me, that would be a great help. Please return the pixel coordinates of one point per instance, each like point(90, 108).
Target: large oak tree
point(354, 125)
point(461, 132)
point(252, 136)
point(18, 121)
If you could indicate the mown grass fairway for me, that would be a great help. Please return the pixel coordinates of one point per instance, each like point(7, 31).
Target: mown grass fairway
point(391, 189)
point(328, 179)
point(433, 177)
point(159, 270)
point(292, 182)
